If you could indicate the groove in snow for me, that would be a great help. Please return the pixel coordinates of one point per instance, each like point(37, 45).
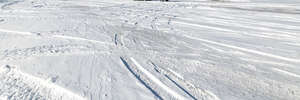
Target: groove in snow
point(157, 81)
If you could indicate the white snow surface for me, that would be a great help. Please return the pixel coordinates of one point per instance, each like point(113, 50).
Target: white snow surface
point(137, 50)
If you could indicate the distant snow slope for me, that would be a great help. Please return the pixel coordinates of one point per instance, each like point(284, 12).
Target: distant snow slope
point(116, 50)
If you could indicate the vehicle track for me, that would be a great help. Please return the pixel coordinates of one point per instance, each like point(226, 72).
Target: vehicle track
point(6, 5)
point(157, 87)
point(190, 89)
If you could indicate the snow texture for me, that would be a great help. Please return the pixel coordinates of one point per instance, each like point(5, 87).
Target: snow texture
point(149, 50)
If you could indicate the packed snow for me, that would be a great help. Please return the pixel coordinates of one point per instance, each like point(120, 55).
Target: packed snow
point(149, 50)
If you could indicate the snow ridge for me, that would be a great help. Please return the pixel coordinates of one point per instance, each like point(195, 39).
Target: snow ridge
point(16, 85)
point(47, 50)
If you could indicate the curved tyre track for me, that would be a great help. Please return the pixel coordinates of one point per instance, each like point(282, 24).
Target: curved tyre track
point(160, 89)
point(157, 87)
point(194, 92)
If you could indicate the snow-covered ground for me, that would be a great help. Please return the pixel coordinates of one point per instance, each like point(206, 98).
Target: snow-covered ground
point(129, 50)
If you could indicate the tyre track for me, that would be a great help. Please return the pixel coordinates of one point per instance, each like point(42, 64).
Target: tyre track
point(137, 76)
point(5, 6)
point(157, 87)
point(157, 81)
point(191, 90)
point(118, 40)
point(183, 89)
